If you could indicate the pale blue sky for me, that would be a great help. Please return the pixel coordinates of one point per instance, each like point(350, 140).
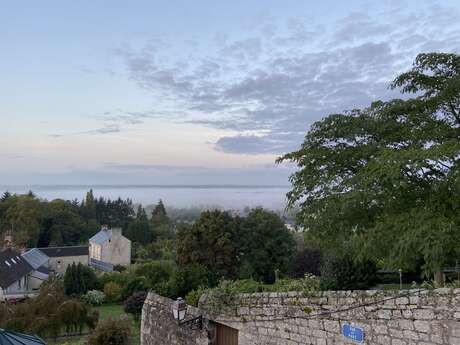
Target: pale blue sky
point(193, 91)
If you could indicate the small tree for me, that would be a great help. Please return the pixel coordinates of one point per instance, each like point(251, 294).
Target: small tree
point(78, 279)
point(110, 331)
point(133, 305)
point(113, 292)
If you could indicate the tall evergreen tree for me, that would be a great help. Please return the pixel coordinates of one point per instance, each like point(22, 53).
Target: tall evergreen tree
point(159, 215)
point(140, 230)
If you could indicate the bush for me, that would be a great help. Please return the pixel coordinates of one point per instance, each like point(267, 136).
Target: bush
point(306, 261)
point(74, 315)
point(187, 279)
point(115, 277)
point(111, 331)
point(119, 268)
point(193, 297)
point(94, 297)
point(156, 272)
point(133, 305)
point(306, 284)
point(345, 274)
point(113, 292)
point(134, 285)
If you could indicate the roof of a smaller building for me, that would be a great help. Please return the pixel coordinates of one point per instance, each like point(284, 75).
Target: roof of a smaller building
point(101, 265)
point(14, 338)
point(35, 257)
point(12, 267)
point(54, 252)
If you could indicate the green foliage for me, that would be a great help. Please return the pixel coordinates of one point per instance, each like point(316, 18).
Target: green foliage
point(140, 230)
point(78, 279)
point(265, 245)
point(193, 297)
point(385, 179)
point(156, 273)
point(49, 314)
point(307, 260)
point(24, 215)
point(211, 243)
point(120, 278)
point(113, 292)
point(225, 293)
point(134, 303)
point(111, 331)
point(135, 284)
point(39, 223)
point(187, 279)
point(159, 216)
point(346, 274)
point(94, 297)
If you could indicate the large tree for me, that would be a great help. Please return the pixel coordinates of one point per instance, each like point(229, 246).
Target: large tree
point(385, 180)
point(265, 245)
point(211, 243)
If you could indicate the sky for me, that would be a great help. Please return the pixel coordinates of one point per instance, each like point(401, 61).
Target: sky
point(193, 92)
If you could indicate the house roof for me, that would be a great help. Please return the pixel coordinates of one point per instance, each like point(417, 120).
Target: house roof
point(101, 236)
point(101, 265)
point(14, 338)
point(35, 258)
point(54, 252)
point(12, 267)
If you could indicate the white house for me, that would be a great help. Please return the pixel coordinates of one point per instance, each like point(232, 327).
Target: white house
point(59, 258)
point(110, 247)
point(18, 277)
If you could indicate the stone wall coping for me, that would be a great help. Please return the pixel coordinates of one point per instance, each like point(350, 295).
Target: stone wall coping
point(339, 294)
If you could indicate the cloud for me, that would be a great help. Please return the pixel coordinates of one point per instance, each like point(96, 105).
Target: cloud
point(112, 122)
point(270, 86)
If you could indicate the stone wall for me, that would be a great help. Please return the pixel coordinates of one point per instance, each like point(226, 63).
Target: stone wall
point(388, 318)
point(158, 326)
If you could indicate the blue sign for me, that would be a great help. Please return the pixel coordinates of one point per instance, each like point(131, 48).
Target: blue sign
point(354, 333)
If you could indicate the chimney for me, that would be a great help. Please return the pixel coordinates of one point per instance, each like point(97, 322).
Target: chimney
point(116, 231)
point(8, 240)
point(104, 227)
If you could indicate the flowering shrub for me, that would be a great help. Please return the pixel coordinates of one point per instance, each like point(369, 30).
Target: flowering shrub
point(94, 297)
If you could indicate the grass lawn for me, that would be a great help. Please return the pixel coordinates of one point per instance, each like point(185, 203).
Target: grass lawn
point(105, 311)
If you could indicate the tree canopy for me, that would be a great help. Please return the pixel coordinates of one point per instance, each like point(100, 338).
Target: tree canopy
point(384, 181)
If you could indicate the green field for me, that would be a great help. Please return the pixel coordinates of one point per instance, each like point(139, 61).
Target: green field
point(105, 311)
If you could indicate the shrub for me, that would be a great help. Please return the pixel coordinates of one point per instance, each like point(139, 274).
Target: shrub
point(306, 284)
point(187, 279)
point(113, 292)
point(111, 331)
point(193, 297)
point(121, 278)
point(306, 261)
point(345, 274)
point(94, 297)
point(134, 285)
point(74, 315)
point(4, 314)
point(156, 272)
point(119, 268)
point(133, 305)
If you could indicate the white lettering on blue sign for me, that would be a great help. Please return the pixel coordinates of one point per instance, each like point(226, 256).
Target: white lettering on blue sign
point(354, 333)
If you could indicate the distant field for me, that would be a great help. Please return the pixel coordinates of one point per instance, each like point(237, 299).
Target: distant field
point(105, 311)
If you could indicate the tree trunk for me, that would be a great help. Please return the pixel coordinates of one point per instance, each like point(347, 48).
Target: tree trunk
point(439, 278)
